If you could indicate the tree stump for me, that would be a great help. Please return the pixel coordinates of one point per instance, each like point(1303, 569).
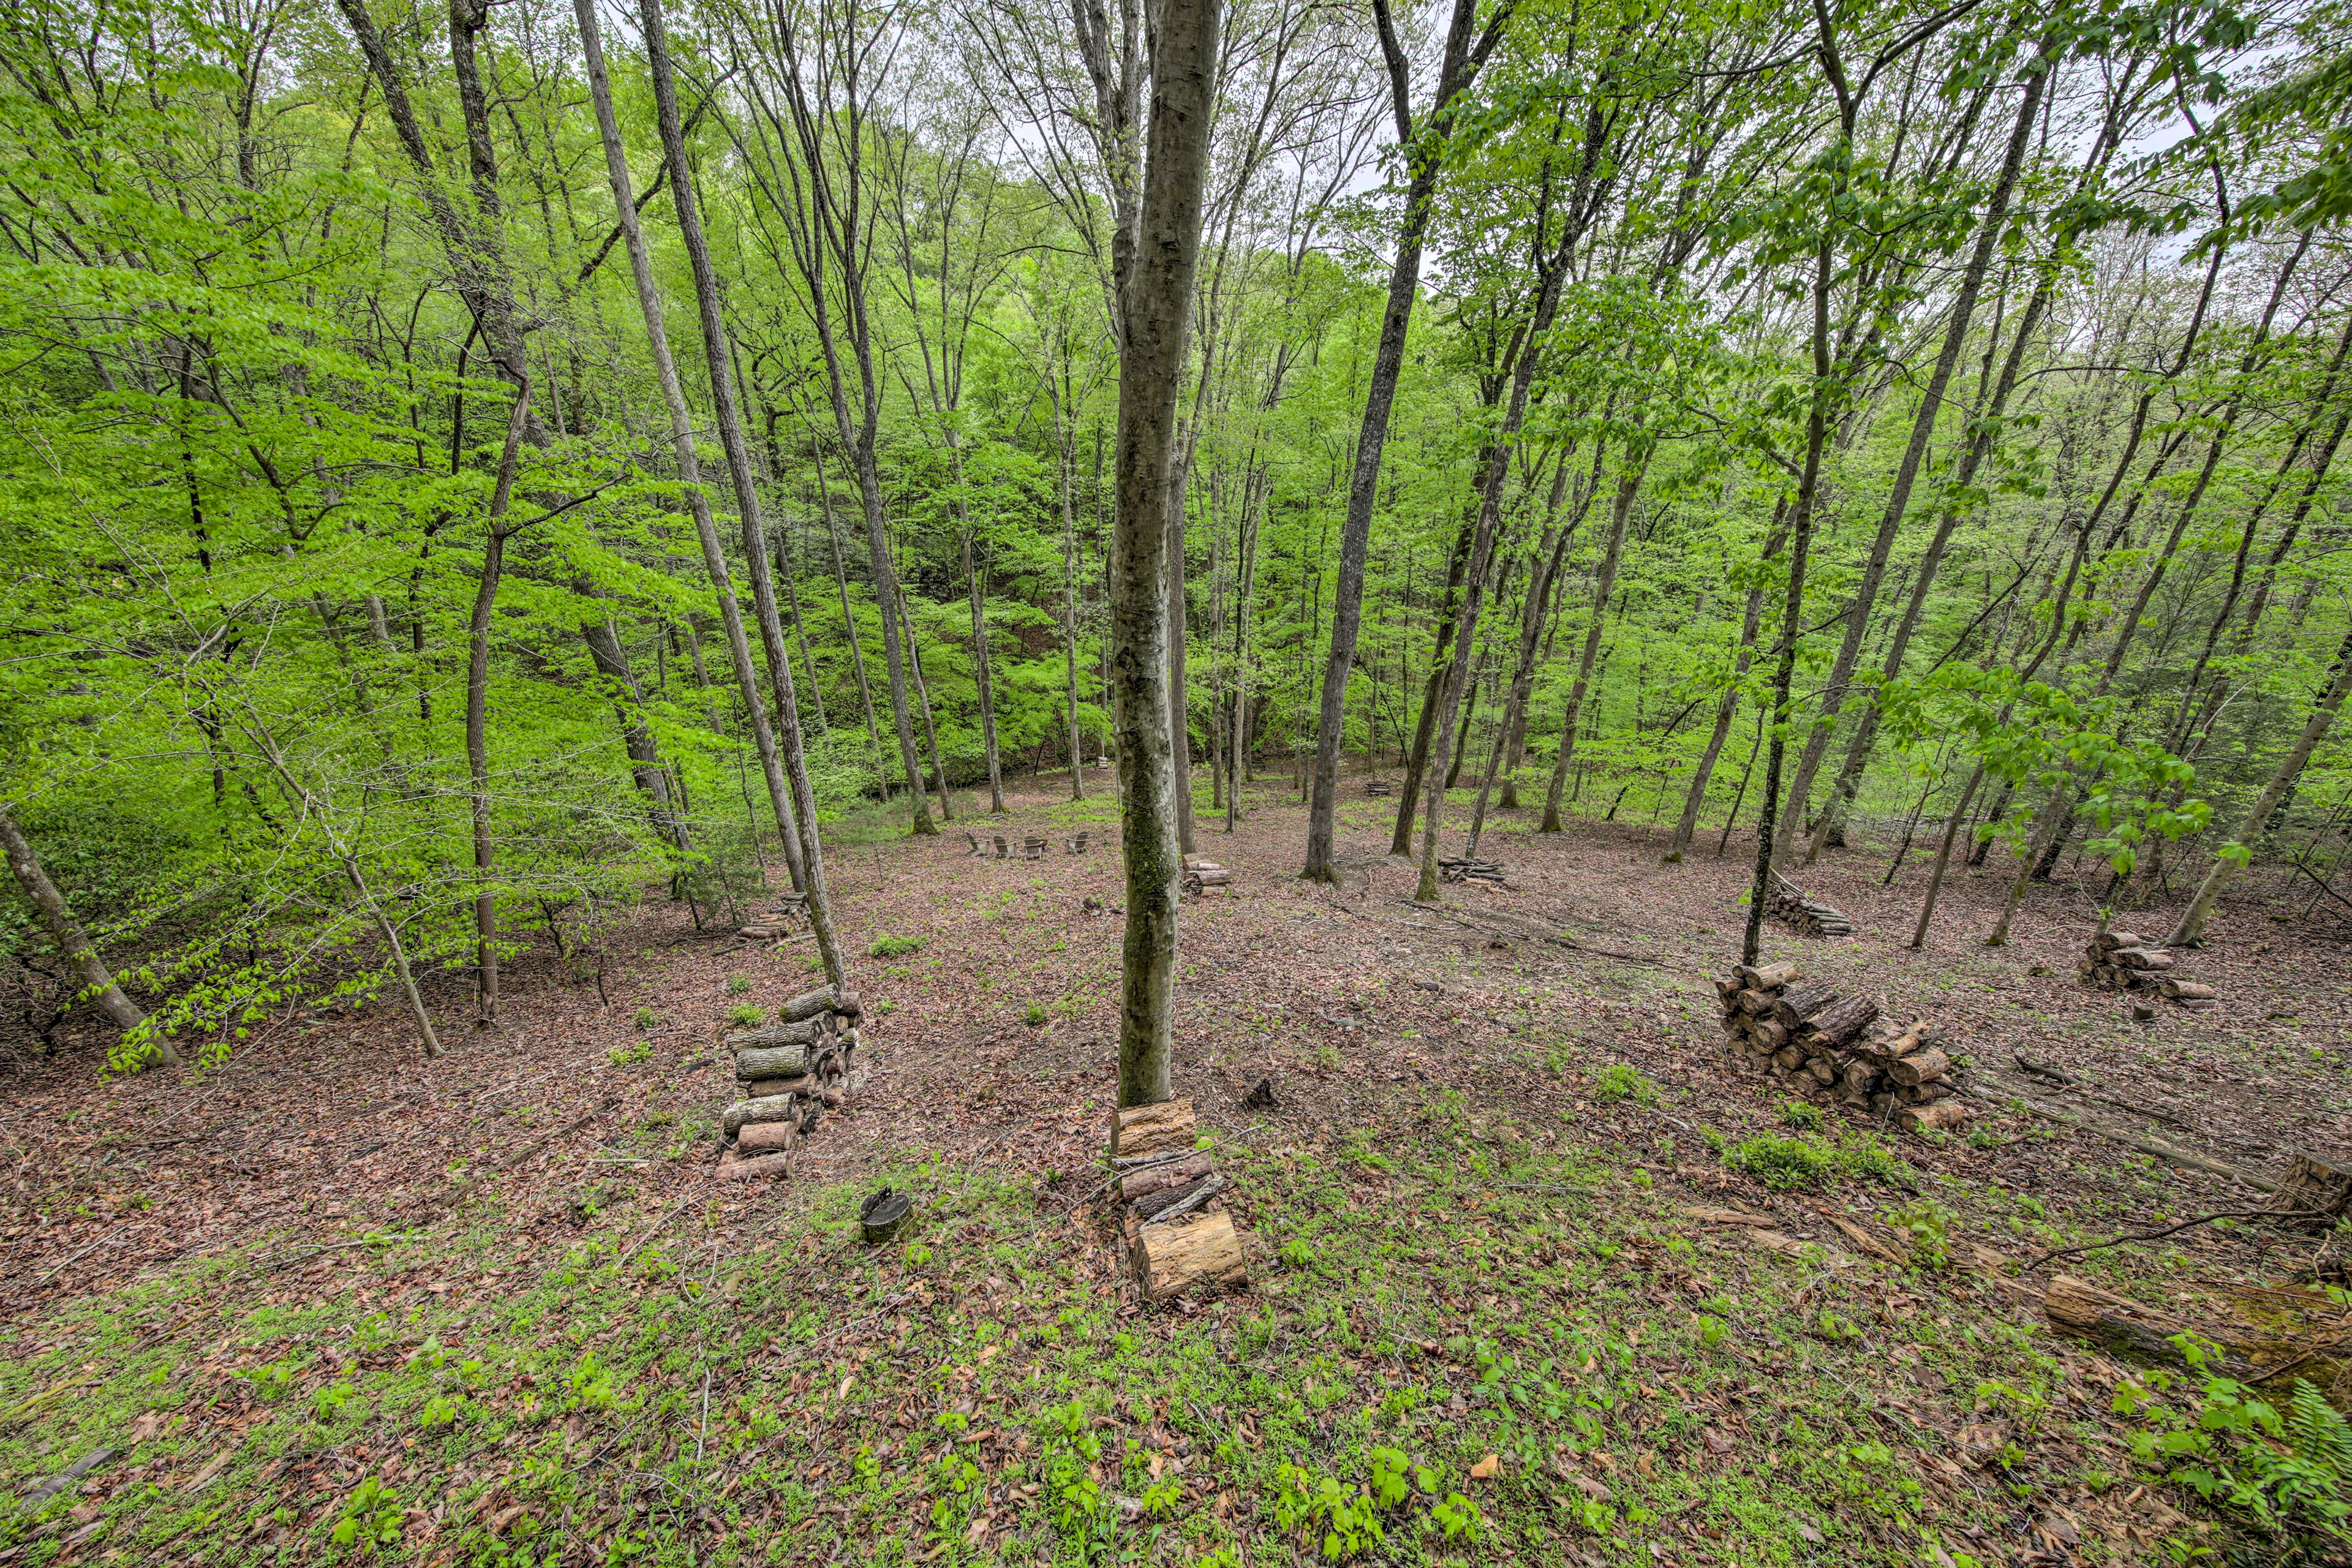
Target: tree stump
point(2318, 1192)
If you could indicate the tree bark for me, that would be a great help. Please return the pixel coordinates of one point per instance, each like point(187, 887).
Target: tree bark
point(477, 749)
point(1425, 150)
point(1154, 318)
point(57, 916)
point(800, 822)
point(1628, 486)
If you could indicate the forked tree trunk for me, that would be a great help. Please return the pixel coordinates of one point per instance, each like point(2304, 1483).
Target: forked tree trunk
point(1155, 296)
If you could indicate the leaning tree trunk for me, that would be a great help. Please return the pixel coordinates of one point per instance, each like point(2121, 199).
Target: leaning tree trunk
point(980, 664)
point(1424, 729)
point(800, 821)
point(98, 981)
point(1155, 295)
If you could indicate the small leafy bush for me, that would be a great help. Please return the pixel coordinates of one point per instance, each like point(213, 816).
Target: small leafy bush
point(1033, 1014)
point(630, 1056)
point(738, 984)
point(1926, 1226)
point(895, 946)
point(745, 1015)
point(371, 1518)
point(1801, 1115)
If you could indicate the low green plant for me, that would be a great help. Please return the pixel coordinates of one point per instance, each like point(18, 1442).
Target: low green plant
point(2285, 1473)
point(1033, 1014)
point(630, 1056)
point(1618, 1082)
point(1926, 1227)
point(738, 984)
point(746, 1015)
point(1802, 1115)
point(646, 1017)
point(371, 1518)
point(895, 946)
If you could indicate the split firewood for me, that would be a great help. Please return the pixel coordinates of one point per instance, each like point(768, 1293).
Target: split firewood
point(1158, 1208)
point(2140, 958)
point(2185, 990)
point(1766, 977)
point(1836, 1027)
point(770, 1088)
point(1169, 1260)
point(1151, 1179)
point(1797, 1008)
point(806, 1031)
point(1160, 1129)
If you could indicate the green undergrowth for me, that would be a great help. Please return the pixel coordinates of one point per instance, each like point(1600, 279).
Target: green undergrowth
point(1457, 1348)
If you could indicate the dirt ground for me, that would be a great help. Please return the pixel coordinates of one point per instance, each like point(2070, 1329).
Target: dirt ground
point(1353, 999)
point(1433, 1067)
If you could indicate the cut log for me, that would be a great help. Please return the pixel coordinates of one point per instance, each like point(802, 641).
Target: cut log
point(2108, 940)
point(1159, 1178)
point(1790, 1057)
point(734, 1169)
point(2185, 990)
point(1943, 1113)
point(774, 1061)
point(1823, 1071)
point(1767, 977)
point(1169, 1260)
point(848, 1005)
point(1166, 1198)
point(2140, 958)
point(1160, 1129)
point(767, 1088)
point(1757, 1004)
point(1771, 1033)
point(807, 1004)
point(752, 1112)
point(1836, 1026)
point(806, 1031)
point(768, 1137)
point(1801, 1007)
point(2320, 1189)
point(1922, 1067)
point(2083, 1311)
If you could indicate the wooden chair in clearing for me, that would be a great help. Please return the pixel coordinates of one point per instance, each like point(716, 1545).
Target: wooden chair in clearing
point(974, 839)
point(1002, 852)
point(1031, 847)
point(1074, 846)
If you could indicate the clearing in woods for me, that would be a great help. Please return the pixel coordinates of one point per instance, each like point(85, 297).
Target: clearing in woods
point(1544, 1274)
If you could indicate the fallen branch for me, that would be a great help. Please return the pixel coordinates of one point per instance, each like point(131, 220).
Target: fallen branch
point(2032, 1264)
point(1985, 1087)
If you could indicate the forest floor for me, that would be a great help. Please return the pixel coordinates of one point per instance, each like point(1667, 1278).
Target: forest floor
point(1544, 1275)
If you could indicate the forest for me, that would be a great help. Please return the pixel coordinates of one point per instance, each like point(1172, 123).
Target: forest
point(502, 500)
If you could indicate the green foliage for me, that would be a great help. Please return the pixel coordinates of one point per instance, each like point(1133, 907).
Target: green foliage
point(1926, 1227)
point(1786, 1164)
point(1618, 1082)
point(2287, 1474)
point(895, 946)
point(370, 1518)
point(747, 1015)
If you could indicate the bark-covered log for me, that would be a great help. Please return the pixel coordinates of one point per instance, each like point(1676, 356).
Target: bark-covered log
point(1834, 1027)
point(1143, 1130)
point(2083, 1311)
point(1943, 1113)
point(806, 1031)
point(808, 1004)
point(751, 1113)
point(1767, 977)
point(768, 1137)
point(849, 1007)
point(1169, 1260)
point(2185, 990)
point(1152, 1204)
point(1799, 1007)
point(1153, 1179)
point(1790, 1057)
point(1771, 1033)
point(2140, 958)
point(1922, 1067)
point(774, 1061)
point(733, 1168)
point(2108, 940)
point(757, 1089)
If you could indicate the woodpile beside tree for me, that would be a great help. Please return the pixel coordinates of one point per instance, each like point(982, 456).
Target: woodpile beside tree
point(2118, 960)
point(1808, 916)
point(1177, 1234)
point(1840, 1048)
point(789, 915)
point(1472, 869)
point(788, 1074)
point(1201, 875)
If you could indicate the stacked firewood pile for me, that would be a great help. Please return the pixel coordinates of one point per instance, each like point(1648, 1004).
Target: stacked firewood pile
point(1818, 1041)
point(1469, 869)
point(791, 911)
point(1379, 788)
point(1177, 1238)
point(788, 1074)
point(2118, 960)
point(1808, 915)
point(1200, 876)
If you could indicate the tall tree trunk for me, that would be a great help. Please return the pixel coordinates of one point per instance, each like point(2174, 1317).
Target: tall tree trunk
point(1424, 729)
point(1906, 472)
point(923, 703)
point(1628, 486)
point(478, 747)
point(2325, 702)
point(849, 628)
point(1070, 606)
point(1424, 145)
point(1727, 705)
point(57, 916)
point(979, 665)
point(1154, 295)
point(800, 822)
point(1180, 697)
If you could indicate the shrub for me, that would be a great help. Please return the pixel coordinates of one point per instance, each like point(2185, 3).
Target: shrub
point(1617, 1081)
point(745, 1015)
point(1033, 1014)
point(895, 946)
